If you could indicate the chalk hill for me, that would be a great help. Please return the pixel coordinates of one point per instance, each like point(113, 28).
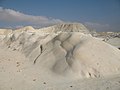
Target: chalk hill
point(66, 50)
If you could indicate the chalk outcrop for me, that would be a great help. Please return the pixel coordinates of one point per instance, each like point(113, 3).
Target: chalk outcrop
point(64, 49)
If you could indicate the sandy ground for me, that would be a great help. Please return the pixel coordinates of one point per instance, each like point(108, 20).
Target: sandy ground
point(17, 73)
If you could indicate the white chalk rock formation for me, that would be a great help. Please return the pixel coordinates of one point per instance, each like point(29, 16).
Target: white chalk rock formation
point(64, 49)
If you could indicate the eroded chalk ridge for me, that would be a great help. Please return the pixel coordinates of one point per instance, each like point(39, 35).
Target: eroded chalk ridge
point(64, 49)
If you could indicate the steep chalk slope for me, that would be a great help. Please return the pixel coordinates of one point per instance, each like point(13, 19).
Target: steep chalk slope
point(59, 57)
point(73, 53)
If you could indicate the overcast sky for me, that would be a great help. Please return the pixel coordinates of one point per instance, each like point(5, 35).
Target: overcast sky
point(100, 15)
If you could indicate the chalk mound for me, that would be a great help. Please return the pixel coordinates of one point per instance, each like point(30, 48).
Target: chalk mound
point(66, 50)
point(26, 28)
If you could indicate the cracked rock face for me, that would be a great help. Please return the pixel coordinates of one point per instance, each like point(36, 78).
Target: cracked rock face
point(65, 52)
